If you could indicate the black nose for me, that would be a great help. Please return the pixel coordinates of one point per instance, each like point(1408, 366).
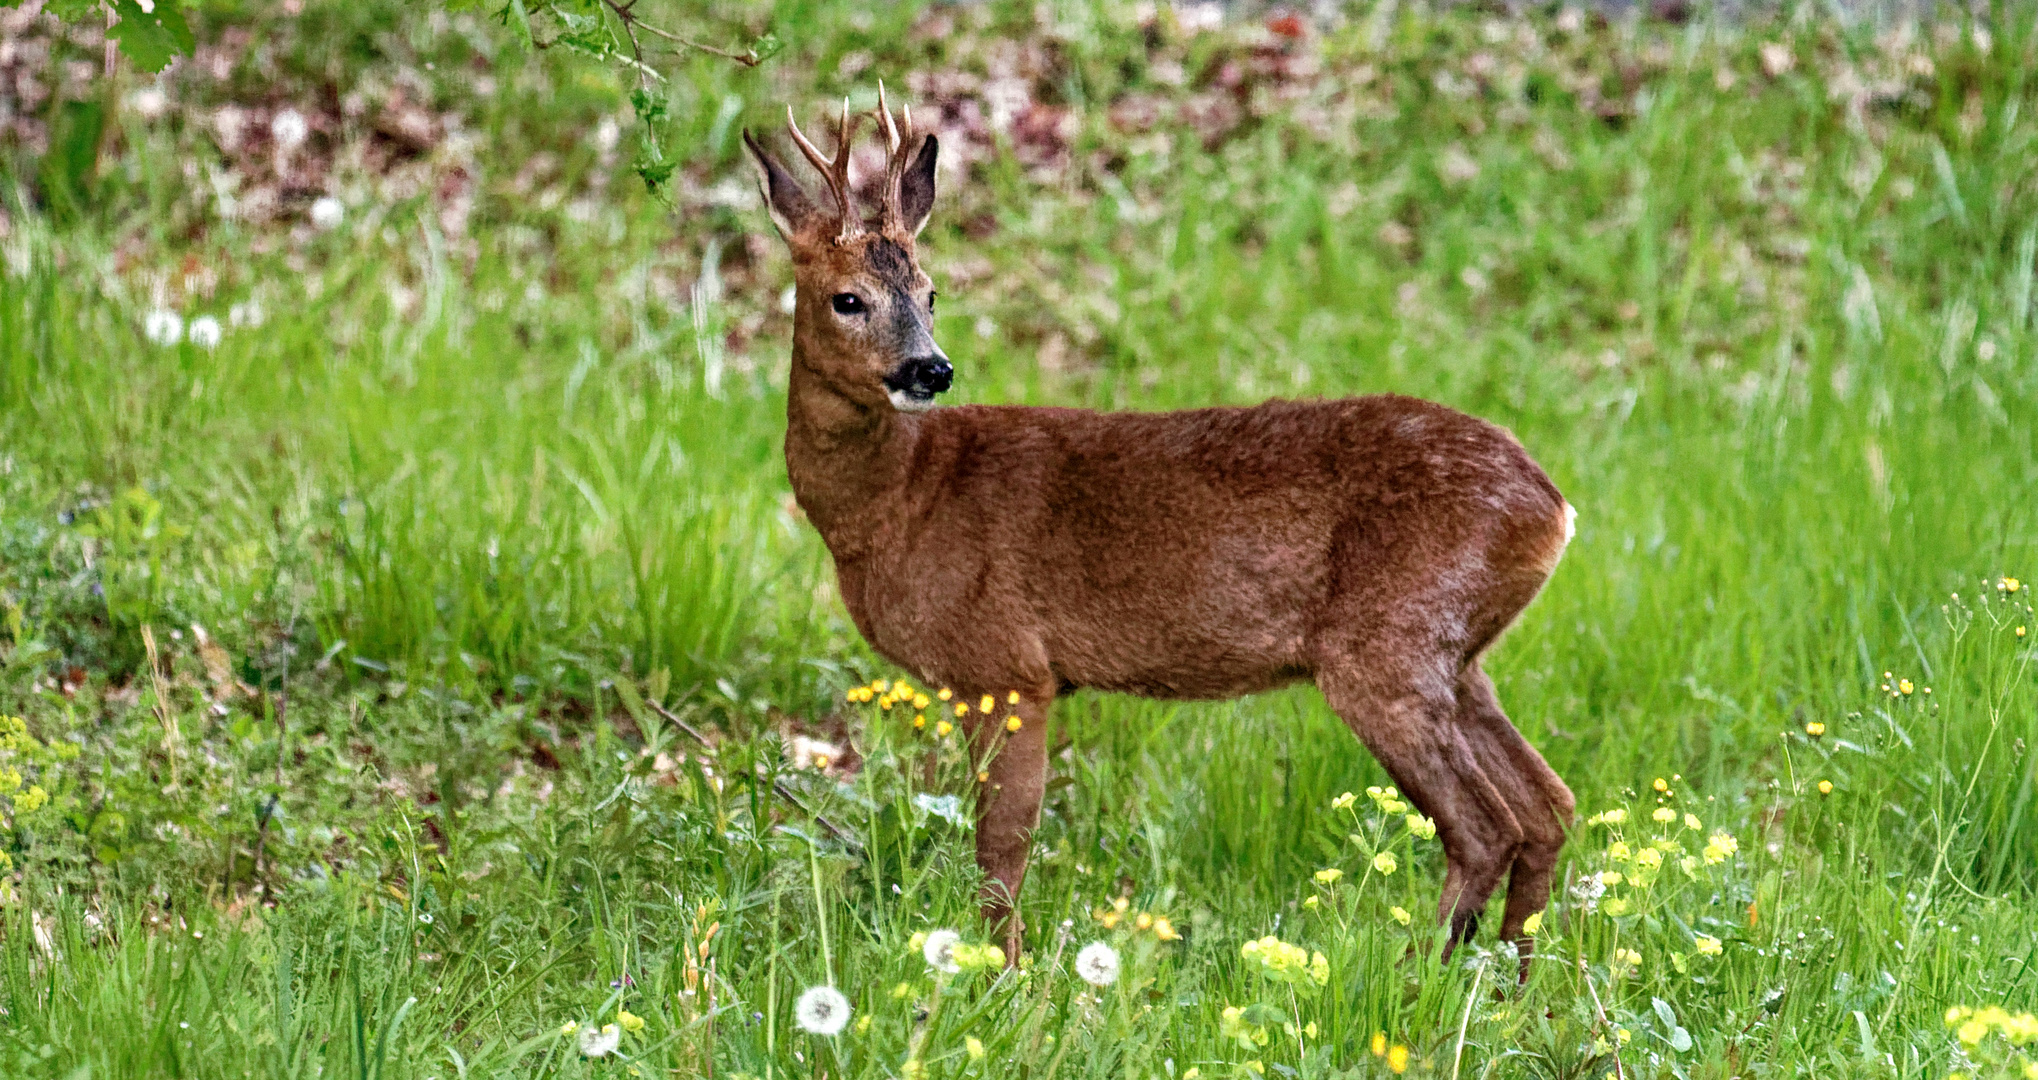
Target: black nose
point(934, 373)
point(926, 375)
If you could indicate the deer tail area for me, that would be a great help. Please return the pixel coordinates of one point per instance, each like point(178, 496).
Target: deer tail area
point(1555, 550)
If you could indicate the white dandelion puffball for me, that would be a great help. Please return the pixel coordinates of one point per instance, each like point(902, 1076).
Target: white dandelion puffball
point(205, 332)
point(1097, 964)
point(288, 129)
point(327, 212)
point(164, 327)
point(940, 951)
point(822, 1010)
point(600, 1042)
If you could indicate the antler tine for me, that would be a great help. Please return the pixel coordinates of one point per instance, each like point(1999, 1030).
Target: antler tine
point(884, 115)
point(826, 167)
point(899, 139)
point(835, 172)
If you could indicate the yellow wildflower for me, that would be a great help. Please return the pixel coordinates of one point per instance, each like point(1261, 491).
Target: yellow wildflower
point(1311, 902)
point(1165, 930)
point(1142, 921)
point(943, 728)
point(1379, 1044)
point(983, 776)
point(1825, 787)
point(1815, 728)
point(1399, 914)
point(1691, 822)
point(1903, 686)
point(975, 1046)
point(1343, 801)
point(1532, 925)
point(1397, 1058)
point(1614, 816)
point(1385, 862)
point(921, 701)
point(1329, 875)
point(878, 685)
point(1421, 826)
point(987, 704)
point(1664, 815)
point(1661, 785)
point(944, 693)
point(568, 1027)
point(631, 1022)
point(1719, 848)
point(1618, 851)
point(1707, 945)
point(961, 710)
point(919, 721)
point(1013, 723)
point(1611, 878)
point(1012, 697)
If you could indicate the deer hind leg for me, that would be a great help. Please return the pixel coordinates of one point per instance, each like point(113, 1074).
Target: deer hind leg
point(1013, 768)
point(1542, 804)
point(1408, 720)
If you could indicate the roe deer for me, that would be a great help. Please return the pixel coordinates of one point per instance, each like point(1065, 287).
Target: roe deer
point(1374, 545)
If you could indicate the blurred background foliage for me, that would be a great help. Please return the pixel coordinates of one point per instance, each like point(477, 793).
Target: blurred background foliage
point(381, 454)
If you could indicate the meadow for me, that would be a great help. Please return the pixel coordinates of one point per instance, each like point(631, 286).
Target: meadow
point(414, 663)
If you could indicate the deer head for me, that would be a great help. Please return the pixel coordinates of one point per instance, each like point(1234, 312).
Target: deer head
point(863, 321)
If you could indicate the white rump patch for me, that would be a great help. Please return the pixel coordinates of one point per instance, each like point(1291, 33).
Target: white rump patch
point(1570, 522)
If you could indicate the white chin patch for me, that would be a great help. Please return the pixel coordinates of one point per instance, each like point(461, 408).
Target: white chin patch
point(905, 402)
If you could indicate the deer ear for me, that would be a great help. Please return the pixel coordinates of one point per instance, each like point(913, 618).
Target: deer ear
point(791, 211)
point(916, 187)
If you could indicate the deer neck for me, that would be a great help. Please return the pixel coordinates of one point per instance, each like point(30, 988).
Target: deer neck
point(845, 459)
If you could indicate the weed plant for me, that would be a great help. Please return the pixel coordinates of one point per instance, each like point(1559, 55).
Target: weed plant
point(420, 671)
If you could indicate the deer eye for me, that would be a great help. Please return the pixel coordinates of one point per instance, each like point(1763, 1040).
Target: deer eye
point(847, 303)
point(931, 297)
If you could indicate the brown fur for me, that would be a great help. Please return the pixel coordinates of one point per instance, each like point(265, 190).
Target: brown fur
point(1376, 546)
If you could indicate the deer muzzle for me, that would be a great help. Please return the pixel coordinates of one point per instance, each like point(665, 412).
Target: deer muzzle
point(913, 384)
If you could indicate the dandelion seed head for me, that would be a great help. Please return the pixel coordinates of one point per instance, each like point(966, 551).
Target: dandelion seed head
point(205, 332)
point(1097, 964)
point(600, 1042)
point(822, 1010)
point(939, 950)
point(163, 327)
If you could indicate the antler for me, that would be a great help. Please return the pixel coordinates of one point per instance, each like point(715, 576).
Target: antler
point(835, 172)
point(899, 142)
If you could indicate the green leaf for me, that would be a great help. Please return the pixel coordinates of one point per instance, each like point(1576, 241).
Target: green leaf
point(151, 39)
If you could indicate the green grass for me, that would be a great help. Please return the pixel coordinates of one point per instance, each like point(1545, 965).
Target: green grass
point(466, 498)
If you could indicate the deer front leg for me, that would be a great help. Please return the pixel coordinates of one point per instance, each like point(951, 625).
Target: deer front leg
point(1011, 779)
